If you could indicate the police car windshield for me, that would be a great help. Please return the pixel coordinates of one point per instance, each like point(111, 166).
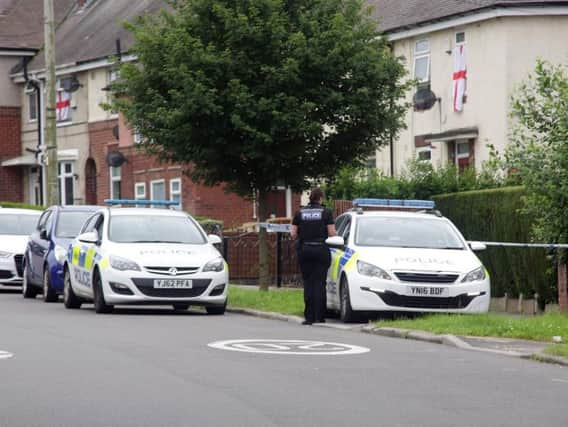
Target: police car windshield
point(154, 229)
point(17, 225)
point(70, 222)
point(406, 233)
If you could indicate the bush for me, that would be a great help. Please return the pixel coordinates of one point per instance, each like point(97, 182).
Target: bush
point(21, 206)
point(497, 215)
point(420, 181)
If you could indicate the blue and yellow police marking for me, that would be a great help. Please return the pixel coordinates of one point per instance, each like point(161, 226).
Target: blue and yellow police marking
point(90, 258)
point(75, 256)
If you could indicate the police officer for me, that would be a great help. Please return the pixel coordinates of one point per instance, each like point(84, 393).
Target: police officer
point(312, 225)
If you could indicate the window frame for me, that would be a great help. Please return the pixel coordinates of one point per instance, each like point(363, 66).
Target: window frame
point(178, 192)
point(29, 94)
point(62, 176)
point(424, 54)
point(115, 179)
point(424, 149)
point(155, 181)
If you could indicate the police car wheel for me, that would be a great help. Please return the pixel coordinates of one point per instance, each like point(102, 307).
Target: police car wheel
point(216, 310)
point(180, 306)
point(49, 295)
point(70, 300)
point(28, 290)
point(346, 313)
point(99, 299)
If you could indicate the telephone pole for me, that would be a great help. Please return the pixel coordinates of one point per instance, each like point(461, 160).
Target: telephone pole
point(50, 155)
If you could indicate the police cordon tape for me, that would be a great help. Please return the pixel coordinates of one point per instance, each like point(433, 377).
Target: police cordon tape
point(285, 228)
point(527, 245)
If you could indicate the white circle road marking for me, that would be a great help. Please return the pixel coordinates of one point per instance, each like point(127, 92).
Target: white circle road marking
point(5, 355)
point(299, 347)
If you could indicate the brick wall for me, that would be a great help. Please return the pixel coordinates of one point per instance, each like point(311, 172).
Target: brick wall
point(11, 178)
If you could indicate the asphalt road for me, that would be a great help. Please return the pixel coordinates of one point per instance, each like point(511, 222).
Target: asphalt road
point(153, 367)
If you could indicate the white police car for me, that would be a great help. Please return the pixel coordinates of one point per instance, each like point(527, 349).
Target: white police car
point(144, 256)
point(395, 260)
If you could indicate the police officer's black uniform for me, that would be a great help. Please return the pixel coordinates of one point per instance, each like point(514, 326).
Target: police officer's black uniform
point(314, 257)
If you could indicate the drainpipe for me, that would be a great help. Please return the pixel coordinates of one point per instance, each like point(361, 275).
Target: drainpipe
point(35, 84)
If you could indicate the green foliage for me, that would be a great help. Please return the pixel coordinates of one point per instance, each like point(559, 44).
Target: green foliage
point(254, 93)
point(21, 206)
point(540, 328)
point(211, 226)
point(497, 215)
point(420, 181)
point(538, 153)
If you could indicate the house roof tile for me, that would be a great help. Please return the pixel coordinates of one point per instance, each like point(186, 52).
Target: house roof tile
point(400, 14)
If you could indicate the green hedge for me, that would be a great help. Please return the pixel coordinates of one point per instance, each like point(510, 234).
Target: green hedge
point(495, 215)
point(21, 206)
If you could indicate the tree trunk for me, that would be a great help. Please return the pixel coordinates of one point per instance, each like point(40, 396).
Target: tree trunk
point(263, 267)
point(562, 286)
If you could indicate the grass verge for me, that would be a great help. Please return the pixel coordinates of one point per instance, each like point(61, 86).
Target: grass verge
point(538, 328)
point(557, 350)
point(283, 300)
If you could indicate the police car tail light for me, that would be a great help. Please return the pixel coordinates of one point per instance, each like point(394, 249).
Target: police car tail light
point(475, 275)
point(4, 254)
point(123, 264)
point(60, 254)
point(218, 264)
point(371, 270)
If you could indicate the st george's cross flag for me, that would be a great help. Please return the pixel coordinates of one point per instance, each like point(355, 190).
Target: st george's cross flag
point(63, 105)
point(460, 77)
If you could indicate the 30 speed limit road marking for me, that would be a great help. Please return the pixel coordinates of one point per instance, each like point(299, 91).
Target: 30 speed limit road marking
point(292, 347)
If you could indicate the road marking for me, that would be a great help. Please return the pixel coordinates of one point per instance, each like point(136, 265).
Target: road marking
point(5, 355)
point(296, 347)
point(559, 380)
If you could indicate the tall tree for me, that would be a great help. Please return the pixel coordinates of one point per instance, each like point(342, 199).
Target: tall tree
point(256, 93)
point(539, 155)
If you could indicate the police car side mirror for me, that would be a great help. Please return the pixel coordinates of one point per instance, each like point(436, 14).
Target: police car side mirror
point(477, 246)
point(214, 239)
point(89, 237)
point(335, 242)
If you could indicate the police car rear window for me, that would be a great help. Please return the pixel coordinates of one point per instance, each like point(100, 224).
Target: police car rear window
point(406, 233)
point(154, 229)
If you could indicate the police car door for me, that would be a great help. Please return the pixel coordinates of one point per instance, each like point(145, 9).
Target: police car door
point(342, 223)
point(84, 254)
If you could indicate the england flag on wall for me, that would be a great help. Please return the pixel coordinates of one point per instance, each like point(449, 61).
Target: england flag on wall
point(460, 77)
point(63, 105)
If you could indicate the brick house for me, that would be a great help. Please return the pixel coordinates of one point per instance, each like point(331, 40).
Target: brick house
point(89, 136)
point(499, 41)
point(21, 36)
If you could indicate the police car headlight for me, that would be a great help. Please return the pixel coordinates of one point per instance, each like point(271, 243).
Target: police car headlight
point(371, 270)
point(60, 254)
point(123, 264)
point(218, 264)
point(4, 254)
point(475, 275)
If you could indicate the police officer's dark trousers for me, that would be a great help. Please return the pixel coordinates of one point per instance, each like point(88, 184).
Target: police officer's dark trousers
point(314, 261)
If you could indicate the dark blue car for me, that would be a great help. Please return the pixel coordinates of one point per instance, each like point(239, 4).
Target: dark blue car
point(47, 249)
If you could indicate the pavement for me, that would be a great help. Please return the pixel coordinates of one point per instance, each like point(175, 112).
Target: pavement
point(523, 349)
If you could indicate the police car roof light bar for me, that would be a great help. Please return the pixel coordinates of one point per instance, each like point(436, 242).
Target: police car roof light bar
point(129, 202)
point(394, 203)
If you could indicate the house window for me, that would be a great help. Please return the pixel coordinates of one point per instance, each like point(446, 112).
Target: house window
point(137, 136)
point(140, 190)
point(158, 190)
point(175, 191)
point(115, 178)
point(424, 154)
point(66, 182)
point(463, 154)
point(422, 61)
point(32, 105)
point(460, 38)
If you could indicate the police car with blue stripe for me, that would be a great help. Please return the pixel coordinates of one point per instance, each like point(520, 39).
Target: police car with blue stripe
point(403, 256)
point(132, 255)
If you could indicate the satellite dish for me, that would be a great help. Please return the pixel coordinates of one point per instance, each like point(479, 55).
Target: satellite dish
point(70, 84)
point(115, 159)
point(424, 99)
